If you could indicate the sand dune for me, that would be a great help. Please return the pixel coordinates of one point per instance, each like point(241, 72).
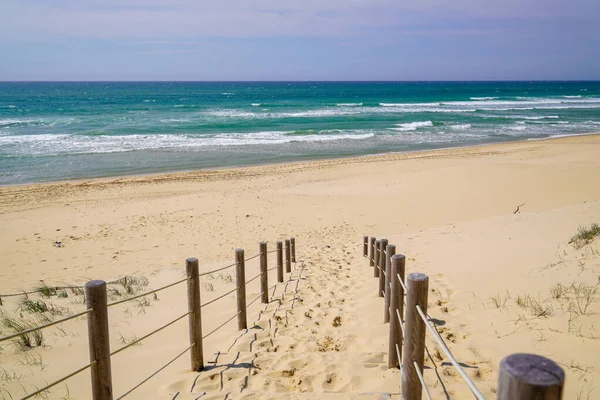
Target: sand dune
point(322, 335)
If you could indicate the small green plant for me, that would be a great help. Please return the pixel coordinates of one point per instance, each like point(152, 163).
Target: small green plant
point(558, 291)
point(134, 284)
point(24, 340)
point(62, 294)
point(33, 306)
point(585, 236)
point(76, 290)
point(584, 295)
point(129, 340)
point(9, 376)
point(45, 291)
point(208, 287)
point(521, 301)
point(32, 358)
point(498, 301)
point(538, 309)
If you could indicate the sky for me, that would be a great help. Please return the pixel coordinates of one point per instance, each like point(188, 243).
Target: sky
point(242, 40)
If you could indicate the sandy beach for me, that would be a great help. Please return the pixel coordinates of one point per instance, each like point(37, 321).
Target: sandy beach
point(503, 281)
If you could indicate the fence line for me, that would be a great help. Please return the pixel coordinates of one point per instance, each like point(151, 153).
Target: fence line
point(128, 345)
point(64, 378)
point(521, 375)
point(37, 328)
point(98, 334)
point(219, 298)
point(146, 293)
point(156, 372)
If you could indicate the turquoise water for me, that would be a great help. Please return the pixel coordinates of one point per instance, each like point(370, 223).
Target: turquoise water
point(55, 131)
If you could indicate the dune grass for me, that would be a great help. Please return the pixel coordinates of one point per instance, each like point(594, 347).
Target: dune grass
point(585, 236)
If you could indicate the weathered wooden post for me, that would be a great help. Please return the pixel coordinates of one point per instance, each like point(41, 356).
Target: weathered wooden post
point(389, 252)
point(396, 310)
point(279, 261)
point(372, 252)
point(293, 243)
point(195, 319)
point(414, 341)
point(382, 256)
point(98, 339)
point(264, 273)
point(365, 246)
point(288, 257)
point(376, 259)
point(241, 288)
point(529, 376)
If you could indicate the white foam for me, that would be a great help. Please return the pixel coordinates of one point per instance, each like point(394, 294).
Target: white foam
point(484, 98)
point(255, 104)
point(411, 126)
point(8, 106)
point(518, 128)
point(572, 97)
point(49, 144)
point(8, 122)
point(460, 127)
point(349, 104)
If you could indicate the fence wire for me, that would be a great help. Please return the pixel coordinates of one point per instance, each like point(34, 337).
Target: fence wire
point(446, 350)
point(400, 322)
point(156, 372)
point(253, 279)
point(220, 297)
point(253, 301)
point(253, 257)
point(149, 334)
point(37, 392)
point(402, 283)
point(147, 293)
point(220, 326)
point(420, 375)
point(37, 328)
point(217, 270)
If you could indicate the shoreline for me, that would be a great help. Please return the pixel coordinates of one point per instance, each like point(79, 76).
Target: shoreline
point(196, 174)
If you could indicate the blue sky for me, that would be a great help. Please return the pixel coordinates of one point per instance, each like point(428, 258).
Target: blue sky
point(299, 40)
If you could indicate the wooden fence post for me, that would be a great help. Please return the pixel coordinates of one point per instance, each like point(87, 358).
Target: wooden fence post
point(382, 256)
point(98, 339)
point(372, 252)
point(288, 257)
point(293, 244)
point(365, 246)
point(241, 288)
point(396, 310)
point(376, 259)
point(389, 252)
point(279, 261)
point(264, 273)
point(529, 376)
point(414, 341)
point(195, 319)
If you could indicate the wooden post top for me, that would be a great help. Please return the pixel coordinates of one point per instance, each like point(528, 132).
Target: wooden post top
point(191, 259)
point(95, 284)
point(418, 277)
point(398, 256)
point(533, 370)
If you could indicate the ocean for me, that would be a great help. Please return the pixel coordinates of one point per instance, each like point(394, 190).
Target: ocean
point(53, 131)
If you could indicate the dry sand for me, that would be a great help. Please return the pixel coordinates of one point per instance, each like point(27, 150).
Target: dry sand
point(449, 211)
